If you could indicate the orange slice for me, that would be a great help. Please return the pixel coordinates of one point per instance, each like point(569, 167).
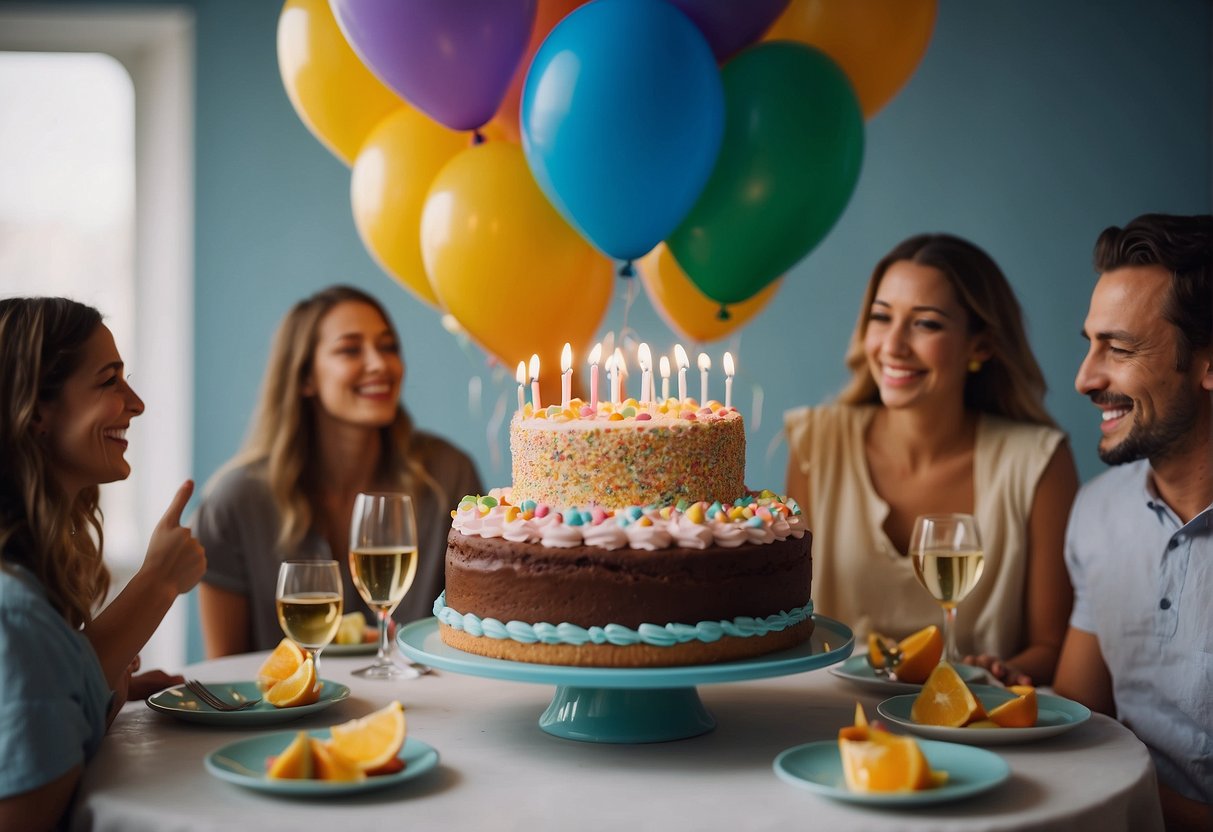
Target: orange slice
point(873, 760)
point(1019, 712)
point(299, 688)
point(946, 700)
point(329, 764)
point(295, 761)
point(370, 743)
point(282, 662)
point(920, 653)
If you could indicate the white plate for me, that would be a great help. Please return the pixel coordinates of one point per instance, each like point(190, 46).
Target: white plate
point(817, 767)
point(1055, 715)
point(857, 671)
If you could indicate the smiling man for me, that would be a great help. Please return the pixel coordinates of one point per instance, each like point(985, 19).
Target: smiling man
point(1139, 545)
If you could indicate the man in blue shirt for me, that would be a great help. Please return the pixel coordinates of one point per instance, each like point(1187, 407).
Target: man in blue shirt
point(1139, 545)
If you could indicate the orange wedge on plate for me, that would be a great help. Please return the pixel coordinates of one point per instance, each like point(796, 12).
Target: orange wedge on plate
point(920, 652)
point(299, 688)
point(295, 761)
point(1019, 712)
point(874, 760)
point(372, 742)
point(329, 764)
point(946, 700)
point(282, 662)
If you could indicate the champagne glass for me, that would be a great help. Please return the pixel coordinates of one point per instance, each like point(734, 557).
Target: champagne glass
point(383, 563)
point(308, 599)
point(948, 561)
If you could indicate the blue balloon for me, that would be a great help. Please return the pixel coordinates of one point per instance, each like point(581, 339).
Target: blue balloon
point(622, 119)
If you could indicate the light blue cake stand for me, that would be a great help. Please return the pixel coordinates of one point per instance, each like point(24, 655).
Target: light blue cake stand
point(629, 705)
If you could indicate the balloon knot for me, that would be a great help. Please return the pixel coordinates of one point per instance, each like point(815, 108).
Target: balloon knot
point(477, 137)
point(723, 314)
point(626, 269)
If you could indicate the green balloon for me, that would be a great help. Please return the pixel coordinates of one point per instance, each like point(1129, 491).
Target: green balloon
point(792, 150)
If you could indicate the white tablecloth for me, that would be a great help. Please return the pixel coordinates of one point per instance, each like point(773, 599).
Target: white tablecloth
point(498, 770)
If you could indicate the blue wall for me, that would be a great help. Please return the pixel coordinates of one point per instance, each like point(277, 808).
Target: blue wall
point(1027, 128)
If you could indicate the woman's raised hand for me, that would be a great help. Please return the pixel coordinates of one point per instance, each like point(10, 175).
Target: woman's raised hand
point(174, 555)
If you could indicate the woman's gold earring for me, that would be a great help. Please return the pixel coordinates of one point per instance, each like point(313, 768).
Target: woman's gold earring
point(974, 365)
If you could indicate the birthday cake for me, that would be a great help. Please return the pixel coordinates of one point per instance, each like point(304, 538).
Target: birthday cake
point(627, 540)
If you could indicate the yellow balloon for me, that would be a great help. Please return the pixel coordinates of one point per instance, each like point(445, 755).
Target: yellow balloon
point(391, 177)
point(688, 311)
point(333, 92)
point(878, 43)
point(508, 267)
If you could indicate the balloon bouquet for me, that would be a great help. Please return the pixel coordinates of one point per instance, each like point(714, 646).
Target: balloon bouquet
point(663, 134)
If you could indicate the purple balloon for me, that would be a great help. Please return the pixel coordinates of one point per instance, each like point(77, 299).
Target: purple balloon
point(452, 59)
point(731, 25)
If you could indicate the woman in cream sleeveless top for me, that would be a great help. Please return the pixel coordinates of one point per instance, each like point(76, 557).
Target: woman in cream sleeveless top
point(944, 413)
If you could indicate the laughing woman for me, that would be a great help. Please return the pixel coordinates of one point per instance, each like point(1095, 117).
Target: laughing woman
point(65, 406)
point(944, 413)
point(329, 424)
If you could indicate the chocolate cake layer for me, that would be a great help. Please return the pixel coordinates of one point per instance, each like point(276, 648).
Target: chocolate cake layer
point(589, 586)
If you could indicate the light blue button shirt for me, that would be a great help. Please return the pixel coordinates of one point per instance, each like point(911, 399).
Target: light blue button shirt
point(53, 695)
point(1143, 584)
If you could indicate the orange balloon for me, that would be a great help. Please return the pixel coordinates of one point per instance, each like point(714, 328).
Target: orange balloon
point(514, 274)
point(334, 94)
point(688, 311)
point(878, 43)
point(390, 180)
point(547, 14)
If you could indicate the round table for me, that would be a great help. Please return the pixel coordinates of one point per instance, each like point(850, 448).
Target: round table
point(499, 770)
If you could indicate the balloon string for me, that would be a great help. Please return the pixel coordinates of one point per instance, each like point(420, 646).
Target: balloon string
point(628, 298)
point(626, 269)
point(723, 314)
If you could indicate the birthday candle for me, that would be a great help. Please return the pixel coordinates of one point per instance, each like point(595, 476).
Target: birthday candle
point(566, 374)
point(521, 377)
point(705, 364)
point(645, 359)
point(728, 380)
point(665, 377)
point(613, 373)
point(680, 357)
point(621, 371)
point(535, 405)
point(595, 354)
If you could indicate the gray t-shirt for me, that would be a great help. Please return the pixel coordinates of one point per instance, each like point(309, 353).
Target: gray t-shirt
point(238, 524)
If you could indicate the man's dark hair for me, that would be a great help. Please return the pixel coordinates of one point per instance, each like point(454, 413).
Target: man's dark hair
point(1184, 247)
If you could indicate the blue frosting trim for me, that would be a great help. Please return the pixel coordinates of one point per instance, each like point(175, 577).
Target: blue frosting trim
point(654, 635)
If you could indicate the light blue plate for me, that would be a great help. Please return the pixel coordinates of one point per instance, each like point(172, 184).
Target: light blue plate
point(628, 705)
point(817, 767)
point(180, 703)
point(244, 763)
point(857, 671)
point(1055, 715)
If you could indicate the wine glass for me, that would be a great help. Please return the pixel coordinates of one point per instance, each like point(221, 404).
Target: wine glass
point(948, 561)
point(383, 563)
point(308, 599)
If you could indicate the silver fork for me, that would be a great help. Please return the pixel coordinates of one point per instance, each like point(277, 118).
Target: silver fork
point(891, 652)
point(210, 698)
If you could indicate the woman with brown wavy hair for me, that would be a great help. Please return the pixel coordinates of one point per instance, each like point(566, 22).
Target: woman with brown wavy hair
point(65, 407)
point(944, 413)
point(329, 424)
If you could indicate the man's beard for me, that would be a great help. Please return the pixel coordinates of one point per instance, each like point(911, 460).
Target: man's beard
point(1155, 441)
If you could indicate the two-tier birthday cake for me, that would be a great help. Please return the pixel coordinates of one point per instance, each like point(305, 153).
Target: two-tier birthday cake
point(628, 539)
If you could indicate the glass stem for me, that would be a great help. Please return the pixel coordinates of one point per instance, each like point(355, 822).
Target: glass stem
point(315, 654)
point(383, 644)
point(949, 634)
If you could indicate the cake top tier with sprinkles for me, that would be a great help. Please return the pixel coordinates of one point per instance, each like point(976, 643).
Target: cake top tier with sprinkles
point(628, 454)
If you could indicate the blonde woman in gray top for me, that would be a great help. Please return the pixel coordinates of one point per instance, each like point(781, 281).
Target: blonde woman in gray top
point(944, 413)
point(329, 424)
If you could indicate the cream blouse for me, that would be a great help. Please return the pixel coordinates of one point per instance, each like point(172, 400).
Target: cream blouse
point(861, 579)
